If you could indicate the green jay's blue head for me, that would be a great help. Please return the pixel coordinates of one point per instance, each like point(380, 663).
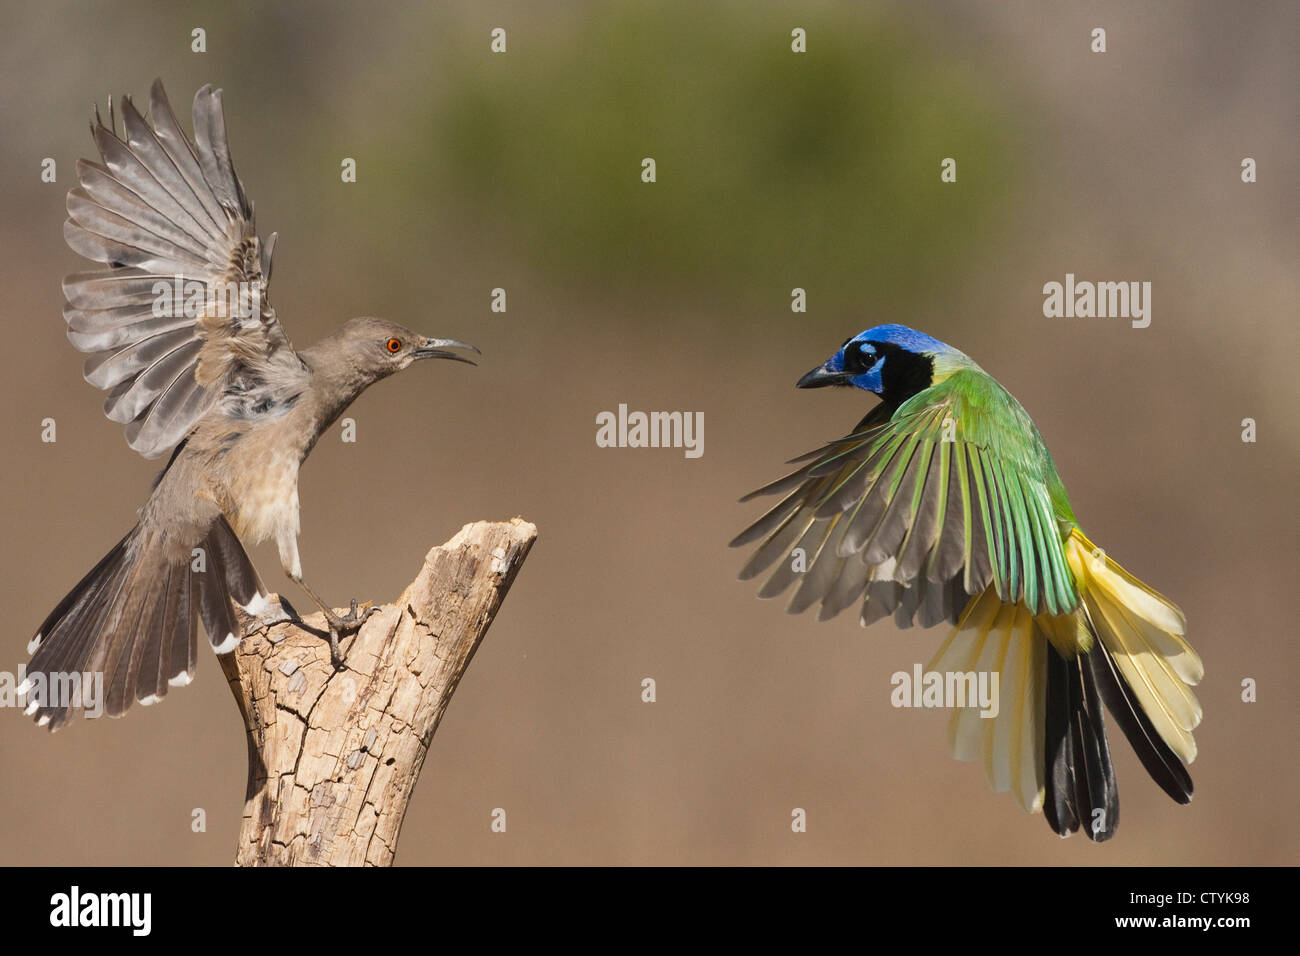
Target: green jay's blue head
point(892, 361)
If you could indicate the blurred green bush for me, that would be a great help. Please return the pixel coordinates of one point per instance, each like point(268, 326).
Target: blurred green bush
point(775, 169)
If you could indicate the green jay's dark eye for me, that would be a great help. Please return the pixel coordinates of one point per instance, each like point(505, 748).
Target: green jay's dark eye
point(860, 359)
point(394, 345)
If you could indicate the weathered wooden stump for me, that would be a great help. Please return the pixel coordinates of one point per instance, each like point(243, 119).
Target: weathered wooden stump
point(334, 755)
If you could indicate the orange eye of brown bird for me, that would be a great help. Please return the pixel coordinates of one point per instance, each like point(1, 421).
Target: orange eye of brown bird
point(394, 345)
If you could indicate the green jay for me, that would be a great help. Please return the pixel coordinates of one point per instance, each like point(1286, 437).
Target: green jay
point(943, 504)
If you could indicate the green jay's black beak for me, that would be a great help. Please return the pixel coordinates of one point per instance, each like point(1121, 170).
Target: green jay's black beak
point(820, 377)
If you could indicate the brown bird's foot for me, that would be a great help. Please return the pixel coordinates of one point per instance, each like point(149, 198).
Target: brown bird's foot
point(338, 626)
point(341, 626)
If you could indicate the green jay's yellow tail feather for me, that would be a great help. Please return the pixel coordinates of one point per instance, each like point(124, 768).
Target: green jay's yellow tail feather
point(1144, 633)
point(992, 636)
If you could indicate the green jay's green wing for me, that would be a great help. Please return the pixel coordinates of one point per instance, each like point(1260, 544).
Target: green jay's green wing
point(918, 510)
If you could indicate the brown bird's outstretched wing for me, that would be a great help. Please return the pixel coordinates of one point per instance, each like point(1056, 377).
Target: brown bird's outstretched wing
point(180, 318)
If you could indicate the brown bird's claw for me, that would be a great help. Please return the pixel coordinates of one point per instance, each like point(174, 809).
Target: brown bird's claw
point(341, 626)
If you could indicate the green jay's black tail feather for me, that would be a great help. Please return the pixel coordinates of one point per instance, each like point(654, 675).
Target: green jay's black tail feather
point(1080, 780)
point(1160, 762)
point(1079, 777)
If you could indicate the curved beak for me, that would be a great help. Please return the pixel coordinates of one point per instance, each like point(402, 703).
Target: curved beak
point(437, 348)
point(820, 377)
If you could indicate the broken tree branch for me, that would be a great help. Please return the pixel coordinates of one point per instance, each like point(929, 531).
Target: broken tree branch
point(334, 755)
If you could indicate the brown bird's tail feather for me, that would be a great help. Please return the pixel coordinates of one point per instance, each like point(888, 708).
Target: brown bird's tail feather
point(128, 631)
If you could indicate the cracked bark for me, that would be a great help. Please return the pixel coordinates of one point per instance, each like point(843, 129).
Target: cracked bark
point(334, 755)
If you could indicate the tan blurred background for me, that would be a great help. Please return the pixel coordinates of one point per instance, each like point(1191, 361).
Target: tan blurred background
point(775, 170)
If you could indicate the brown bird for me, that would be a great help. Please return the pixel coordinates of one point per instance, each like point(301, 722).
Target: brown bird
point(194, 357)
